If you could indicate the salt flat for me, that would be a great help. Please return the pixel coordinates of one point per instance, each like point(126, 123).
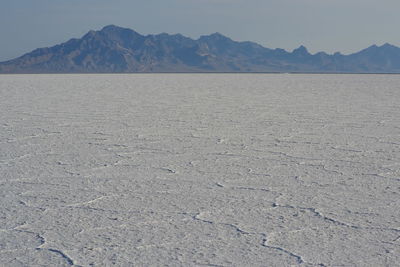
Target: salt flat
point(200, 170)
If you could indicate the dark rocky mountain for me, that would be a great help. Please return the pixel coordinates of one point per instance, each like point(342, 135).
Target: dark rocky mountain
point(116, 49)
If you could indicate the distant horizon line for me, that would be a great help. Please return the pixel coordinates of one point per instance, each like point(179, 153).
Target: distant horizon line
point(216, 73)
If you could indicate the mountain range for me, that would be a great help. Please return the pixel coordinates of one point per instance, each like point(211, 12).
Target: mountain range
point(120, 50)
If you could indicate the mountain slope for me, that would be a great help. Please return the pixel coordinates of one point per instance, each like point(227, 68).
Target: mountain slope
point(116, 49)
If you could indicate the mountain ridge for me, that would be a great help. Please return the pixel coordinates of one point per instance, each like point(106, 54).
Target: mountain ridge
point(115, 49)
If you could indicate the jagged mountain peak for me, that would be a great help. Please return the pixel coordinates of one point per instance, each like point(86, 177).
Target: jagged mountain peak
point(388, 46)
point(301, 50)
point(214, 37)
point(218, 35)
point(385, 48)
point(111, 27)
point(114, 28)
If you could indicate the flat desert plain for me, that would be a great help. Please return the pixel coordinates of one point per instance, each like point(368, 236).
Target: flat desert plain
point(200, 170)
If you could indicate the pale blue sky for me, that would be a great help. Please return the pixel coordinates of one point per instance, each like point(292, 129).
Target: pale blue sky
point(328, 25)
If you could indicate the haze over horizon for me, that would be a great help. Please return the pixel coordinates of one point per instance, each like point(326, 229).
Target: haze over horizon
point(330, 26)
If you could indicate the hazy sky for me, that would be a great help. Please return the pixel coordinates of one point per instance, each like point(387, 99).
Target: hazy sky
point(328, 25)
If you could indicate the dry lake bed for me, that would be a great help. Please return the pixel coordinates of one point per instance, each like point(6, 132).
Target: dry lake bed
point(200, 170)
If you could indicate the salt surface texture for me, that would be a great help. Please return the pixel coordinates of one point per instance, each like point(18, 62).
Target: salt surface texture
point(199, 170)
